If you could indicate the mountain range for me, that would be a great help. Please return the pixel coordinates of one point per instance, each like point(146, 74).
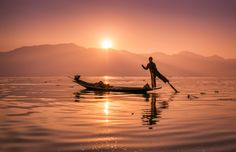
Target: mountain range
point(69, 59)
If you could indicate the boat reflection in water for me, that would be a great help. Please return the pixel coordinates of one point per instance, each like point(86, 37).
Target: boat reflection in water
point(150, 115)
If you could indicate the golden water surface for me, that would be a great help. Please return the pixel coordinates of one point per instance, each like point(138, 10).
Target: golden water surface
point(47, 114)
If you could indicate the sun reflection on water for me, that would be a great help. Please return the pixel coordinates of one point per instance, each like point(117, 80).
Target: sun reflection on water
point(106, 107)
point(106, 110)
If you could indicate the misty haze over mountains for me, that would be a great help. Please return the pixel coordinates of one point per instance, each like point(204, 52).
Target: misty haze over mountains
point(69, 59)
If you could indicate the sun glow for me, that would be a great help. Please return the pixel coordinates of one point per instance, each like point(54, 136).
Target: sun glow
point(106, 44)
point(106, 108)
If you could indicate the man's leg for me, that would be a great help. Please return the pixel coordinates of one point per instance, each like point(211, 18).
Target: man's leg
point(153, 80)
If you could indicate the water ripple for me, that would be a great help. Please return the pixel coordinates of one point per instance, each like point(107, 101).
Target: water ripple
point(53, 114)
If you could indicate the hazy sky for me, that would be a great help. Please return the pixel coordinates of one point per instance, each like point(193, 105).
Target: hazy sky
point(203, 26)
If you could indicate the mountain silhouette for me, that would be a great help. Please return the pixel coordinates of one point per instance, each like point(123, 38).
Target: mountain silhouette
point(69, 59)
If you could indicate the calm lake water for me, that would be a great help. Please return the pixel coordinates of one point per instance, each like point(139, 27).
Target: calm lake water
point(53, 114)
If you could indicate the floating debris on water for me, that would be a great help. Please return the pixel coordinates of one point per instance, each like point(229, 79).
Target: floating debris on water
point(216, 91)
point(227, 99)
point(189, 96)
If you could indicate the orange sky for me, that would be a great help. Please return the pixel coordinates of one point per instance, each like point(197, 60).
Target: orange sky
point(202, 26)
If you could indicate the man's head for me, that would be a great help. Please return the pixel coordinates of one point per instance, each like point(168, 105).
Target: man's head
point(150, 59)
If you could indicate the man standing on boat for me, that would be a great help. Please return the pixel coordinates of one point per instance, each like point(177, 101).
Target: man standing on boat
point(154, 72)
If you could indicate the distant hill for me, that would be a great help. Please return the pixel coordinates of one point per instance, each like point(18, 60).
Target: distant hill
point(69, 59)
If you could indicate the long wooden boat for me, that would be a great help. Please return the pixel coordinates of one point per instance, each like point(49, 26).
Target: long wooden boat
point(100, 86)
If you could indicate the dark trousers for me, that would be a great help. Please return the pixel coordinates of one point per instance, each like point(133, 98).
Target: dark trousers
point(153, 80)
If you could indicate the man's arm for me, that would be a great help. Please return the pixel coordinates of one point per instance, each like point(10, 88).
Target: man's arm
point(145, 67)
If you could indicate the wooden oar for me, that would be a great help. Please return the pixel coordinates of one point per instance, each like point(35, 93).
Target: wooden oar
point(176, 91)
point(164, 79)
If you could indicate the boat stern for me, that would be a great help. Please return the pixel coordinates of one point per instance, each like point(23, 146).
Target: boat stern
point(76, 77)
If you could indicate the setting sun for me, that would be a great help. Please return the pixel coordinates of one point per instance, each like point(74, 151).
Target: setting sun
point(106, 44)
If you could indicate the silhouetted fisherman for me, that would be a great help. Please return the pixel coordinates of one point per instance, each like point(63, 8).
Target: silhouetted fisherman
point(154, 72)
